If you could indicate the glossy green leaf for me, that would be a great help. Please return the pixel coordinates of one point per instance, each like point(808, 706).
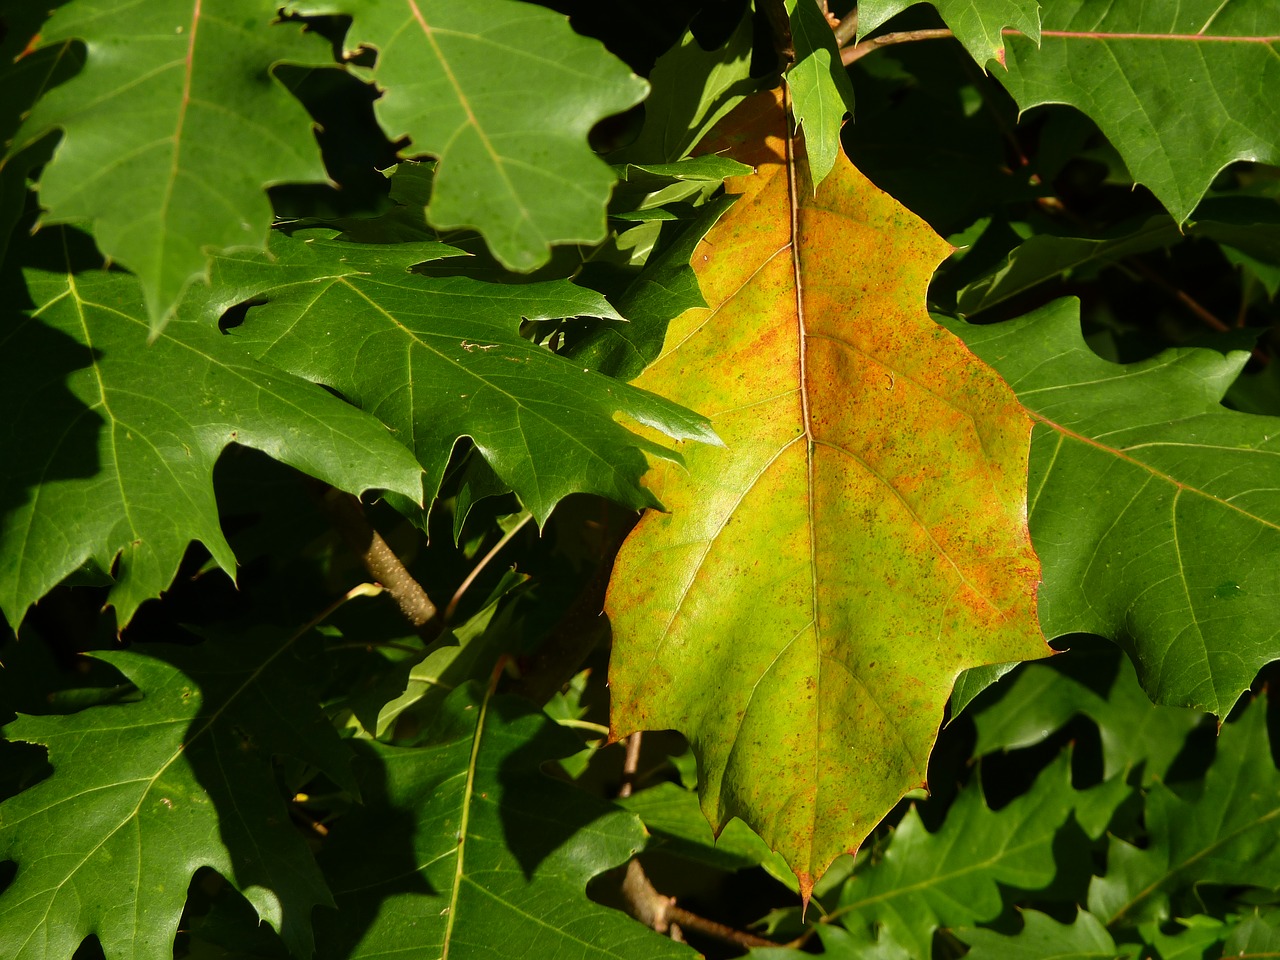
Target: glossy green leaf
point(1153, 508)
point(503, 95)
point(951, 878)
point(1181, 88)
point(803, 612)
point(438, 358)
point(110, 442)
point(693, 89)
point(145, 793)
point(1041, 699)
point(1247, 228)
point(978, 24)
point(465, 849)
point(672, 816)
point(821, 94)
point(1256, 936)
point(1042, 258)
point(24, 78)
point(1043, 938)
point(1222, 832)
point(172, 132)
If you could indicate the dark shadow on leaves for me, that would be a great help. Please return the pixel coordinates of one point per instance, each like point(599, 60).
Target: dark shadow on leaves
point(47, 432)
point(540, 815)
point(368, 858)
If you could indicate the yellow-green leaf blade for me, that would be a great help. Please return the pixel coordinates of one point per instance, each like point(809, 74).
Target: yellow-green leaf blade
point(820, 582)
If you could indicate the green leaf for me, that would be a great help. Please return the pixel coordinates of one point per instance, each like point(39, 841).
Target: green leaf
point(672, 815)
point(467, 652)
point(821, 93)
point(1181, 88)
point(692, 89)
point(466, 849)
point(950, 878)
point(1042, 258)
point(665, 288)
point(1247, 229)
point(1224, 832)
point(172, 132)
point(503, 95)
point(1153, 507)
point(145, 793)
point(110, 442)
point(438, 358)
point(978, 24)
point(1257, 936)
point(1041, 699)
point(24, 78)
point(1043, 938)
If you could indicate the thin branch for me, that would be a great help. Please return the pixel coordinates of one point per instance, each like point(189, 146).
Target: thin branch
point(710, 928)
point(655, 910)
point(630, 765)
point(847, 28)
point(380, 560)
point(475, 571)
point(849, 54)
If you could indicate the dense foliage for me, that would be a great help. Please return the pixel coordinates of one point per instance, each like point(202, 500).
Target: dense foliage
point(913, 363)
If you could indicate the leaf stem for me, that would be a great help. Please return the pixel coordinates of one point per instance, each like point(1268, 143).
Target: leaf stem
point(479, 567)
point(849, 54)
point(380, 560)
point(847, 28)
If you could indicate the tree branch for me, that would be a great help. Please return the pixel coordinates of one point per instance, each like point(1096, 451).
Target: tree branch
point(849, 54)
point(380, 560)
point(655, 910)
point(847, 28)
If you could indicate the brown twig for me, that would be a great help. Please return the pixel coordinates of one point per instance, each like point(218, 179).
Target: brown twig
point(847, 28)
point(849, 54)
point(380, 560)
point(630, 765)
point(476, 570)
point(655, 910)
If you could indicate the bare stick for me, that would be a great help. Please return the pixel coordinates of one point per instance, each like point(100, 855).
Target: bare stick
point(849, 54)
point(847, 28)
point(379, 559)
point(630, 765)
point(475, 571)
point(652, 908)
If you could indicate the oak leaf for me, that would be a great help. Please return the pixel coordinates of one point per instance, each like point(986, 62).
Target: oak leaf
point(803, 611)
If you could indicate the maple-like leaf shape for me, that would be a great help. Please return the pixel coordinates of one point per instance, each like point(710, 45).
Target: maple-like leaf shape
point(804, 610)
point(503, 94)
point(1181, 88)
point(172, 132)
point(143, 794)
point(1224, 833)
point(108, 445)
point(978, 24)
point(466, 849)
point(951, 877)
point(438, 358)
point(1155, 510)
